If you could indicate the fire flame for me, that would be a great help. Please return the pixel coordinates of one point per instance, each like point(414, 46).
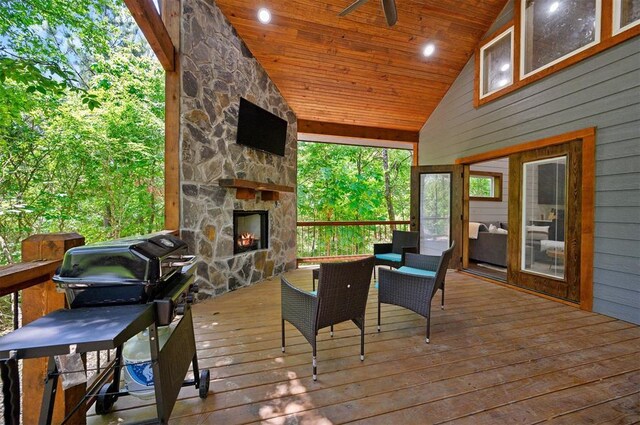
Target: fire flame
point(246, 239)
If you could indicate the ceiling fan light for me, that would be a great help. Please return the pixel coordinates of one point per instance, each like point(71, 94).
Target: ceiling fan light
point(428, 50)
point(264, 16)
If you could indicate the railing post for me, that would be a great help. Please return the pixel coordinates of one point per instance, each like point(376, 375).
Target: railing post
point(38, 301)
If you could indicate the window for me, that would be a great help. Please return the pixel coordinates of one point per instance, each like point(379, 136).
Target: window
point(543, 216)
point(496, 63)
point(626, 14)
point(552, 30)
point(485, 186)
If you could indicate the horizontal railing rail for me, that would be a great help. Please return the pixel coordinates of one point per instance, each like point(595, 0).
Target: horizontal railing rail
point(324, 241)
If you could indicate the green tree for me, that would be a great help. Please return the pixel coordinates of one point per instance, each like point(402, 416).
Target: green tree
point(349, 183)
point(81, 123)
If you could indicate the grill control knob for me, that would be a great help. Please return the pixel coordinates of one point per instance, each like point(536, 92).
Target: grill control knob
point(194, 289)
point(190, 299)
point(180, 309)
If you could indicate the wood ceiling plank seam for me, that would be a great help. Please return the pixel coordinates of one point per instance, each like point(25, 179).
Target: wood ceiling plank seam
point(410, 45)
point(435, 29)
point(327, 81)
point(407, 27)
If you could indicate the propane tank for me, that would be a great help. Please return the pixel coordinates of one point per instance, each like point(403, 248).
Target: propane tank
point(138, 370)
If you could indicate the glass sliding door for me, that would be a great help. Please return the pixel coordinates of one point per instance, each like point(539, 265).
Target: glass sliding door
point(545, 213)
point(436, 208)
point(435, 213)
point(543, 216)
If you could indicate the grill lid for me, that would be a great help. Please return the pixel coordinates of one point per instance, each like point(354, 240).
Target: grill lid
point(136, 260)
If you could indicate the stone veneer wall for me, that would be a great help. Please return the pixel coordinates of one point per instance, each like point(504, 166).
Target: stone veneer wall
point(217, 69)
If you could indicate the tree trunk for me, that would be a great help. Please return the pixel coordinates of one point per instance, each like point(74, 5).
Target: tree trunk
point(387, 185)
point(5, 250)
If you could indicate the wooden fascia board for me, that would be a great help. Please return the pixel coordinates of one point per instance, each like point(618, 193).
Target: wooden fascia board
point(356, 131)
point(148, 19)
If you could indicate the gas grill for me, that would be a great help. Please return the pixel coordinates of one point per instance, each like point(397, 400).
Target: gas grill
point(120, 287)
point(143, 269)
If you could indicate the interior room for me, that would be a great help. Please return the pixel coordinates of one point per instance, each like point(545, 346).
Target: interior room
point(489, 218)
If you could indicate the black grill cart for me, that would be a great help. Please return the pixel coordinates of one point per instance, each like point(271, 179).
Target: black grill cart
point(103, 328)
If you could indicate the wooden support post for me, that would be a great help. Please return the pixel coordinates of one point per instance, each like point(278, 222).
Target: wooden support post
point(171, 18)
point(38, 301)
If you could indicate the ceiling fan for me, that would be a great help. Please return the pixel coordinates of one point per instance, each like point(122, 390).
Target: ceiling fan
point(388, 6)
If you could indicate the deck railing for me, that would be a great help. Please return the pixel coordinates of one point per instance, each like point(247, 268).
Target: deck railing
point(39, 297)
point(320, 241)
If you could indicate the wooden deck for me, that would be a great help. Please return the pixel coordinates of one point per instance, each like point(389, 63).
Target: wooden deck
point(496, 356)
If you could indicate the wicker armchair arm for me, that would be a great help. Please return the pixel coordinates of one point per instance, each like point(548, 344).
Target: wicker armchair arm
point(298, 307)
point(424, 262)
point(382, 248)
point(408, 250)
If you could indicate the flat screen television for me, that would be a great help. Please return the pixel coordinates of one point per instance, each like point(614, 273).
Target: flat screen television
point(260, 129)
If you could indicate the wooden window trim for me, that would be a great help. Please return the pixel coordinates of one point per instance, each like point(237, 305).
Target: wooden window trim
point(615, 19)
point(607, 40)
point(521, 29)
point(497, 186)
point(508, 32)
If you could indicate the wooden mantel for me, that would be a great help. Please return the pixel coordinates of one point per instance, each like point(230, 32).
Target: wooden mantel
point(246, 189)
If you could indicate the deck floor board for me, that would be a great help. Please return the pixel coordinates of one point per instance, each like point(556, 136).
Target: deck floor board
point(497, 355)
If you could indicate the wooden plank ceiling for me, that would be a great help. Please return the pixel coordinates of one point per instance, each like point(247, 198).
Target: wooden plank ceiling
point(354, 70)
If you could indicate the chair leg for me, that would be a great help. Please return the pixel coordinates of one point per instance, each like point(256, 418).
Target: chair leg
point(428, 327)
point(283, 335)
point(442, 303)
point(378, 311)
point(362, 341)
point(331, 331)
point(315, 370)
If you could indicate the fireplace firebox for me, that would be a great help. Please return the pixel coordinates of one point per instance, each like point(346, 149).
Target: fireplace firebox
point(250, 231)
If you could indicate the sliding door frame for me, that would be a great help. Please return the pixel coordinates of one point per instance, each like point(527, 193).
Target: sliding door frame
point(586, 137)
point(456, 229)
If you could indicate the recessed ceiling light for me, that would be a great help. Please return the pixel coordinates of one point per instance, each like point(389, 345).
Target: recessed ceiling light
point(429, 49)
point(554, 6)
point(264, 15)
point(505, 67)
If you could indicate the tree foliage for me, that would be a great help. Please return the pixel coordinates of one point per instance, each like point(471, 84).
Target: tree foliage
point(342, 182)
point(349, 183)
point(81, 123)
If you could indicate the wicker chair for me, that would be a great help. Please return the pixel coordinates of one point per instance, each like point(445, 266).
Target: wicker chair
point(414, 285)
point(342, 295)
point(393, 254)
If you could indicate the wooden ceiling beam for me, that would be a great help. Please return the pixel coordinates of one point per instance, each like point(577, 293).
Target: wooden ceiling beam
point(148, 19)
point(356, 131)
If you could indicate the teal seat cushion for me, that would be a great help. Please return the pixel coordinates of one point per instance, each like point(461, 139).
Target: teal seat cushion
point(416, 272)
point(389, 257)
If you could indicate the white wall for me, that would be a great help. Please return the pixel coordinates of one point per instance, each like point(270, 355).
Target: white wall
point(488, 211)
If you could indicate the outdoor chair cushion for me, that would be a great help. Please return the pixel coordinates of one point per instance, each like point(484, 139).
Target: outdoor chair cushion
point(417, 272)
point(389, 256)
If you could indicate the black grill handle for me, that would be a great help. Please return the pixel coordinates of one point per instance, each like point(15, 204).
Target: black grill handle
point(182, 261)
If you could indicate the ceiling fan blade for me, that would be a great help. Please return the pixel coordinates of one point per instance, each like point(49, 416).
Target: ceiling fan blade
point(390, 12)
point(353, 6)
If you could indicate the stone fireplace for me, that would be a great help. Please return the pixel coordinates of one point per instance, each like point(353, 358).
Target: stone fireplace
point(217, 70)
point(250, 231)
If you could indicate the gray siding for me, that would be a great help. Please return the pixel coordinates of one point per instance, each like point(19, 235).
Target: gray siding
point(602, 91)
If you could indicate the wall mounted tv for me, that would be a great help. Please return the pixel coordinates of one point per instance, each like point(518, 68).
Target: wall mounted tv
point(260, 129)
